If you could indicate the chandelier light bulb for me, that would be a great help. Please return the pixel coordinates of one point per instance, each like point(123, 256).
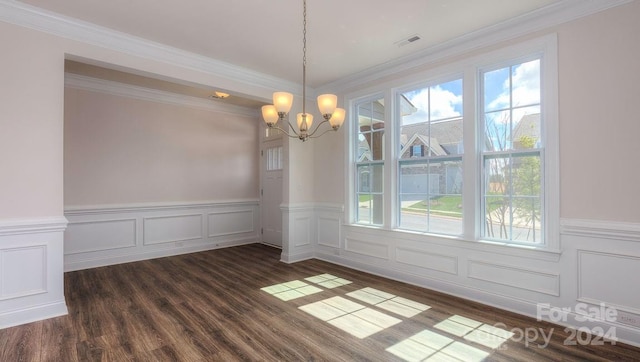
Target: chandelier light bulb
point(337, 118)
point(309, 120)
point(283, 101)
point(270, 114)
point(327, 103)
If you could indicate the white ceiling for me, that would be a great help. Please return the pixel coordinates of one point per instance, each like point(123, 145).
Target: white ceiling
point(343, 36)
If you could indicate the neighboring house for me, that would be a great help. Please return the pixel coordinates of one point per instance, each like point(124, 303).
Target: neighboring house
point(444, 138)
point(529, 127)
point(435, 139)
point(441, 138)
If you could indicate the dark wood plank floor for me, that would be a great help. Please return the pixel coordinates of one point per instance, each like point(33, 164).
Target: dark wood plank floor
point(209, 307)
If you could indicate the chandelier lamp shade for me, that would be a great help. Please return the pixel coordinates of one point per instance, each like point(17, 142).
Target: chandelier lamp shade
point(283, 101)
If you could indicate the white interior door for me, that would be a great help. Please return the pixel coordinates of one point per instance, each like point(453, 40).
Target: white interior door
point(272, 184)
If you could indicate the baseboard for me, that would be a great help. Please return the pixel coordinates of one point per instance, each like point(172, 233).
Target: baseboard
point(294, 258)
point(33, 314)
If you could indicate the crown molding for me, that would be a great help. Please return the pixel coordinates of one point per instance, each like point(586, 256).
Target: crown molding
point(543, 18)
point(32, 17)
point(153, 95)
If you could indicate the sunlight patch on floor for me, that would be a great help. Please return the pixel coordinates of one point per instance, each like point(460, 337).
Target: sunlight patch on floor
point(328, 281)
point(474, 331)
point(431, 346)
point(361, 321)
point(291, 290)
point(349, 316)
point(389, 302)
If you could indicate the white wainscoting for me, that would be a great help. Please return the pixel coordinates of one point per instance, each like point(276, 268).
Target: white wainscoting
point(597, 265)
point(297, 232)
point(105, 235)
point(31, 270)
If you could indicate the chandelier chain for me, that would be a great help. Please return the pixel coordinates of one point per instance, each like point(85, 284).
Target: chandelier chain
point(283, 101)
point(304, 57)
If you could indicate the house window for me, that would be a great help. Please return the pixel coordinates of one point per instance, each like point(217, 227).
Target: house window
point(512, 190)
point(488, 174)
point(370, 161)
point(430, 159)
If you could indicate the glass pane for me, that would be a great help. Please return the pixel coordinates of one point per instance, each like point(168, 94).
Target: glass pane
point(525, 80)
point(497, 90)
point(431, 121)
point(364, 152)
point(446, 138)
point(526, 175)
point(413, 178)
point(527, 223)
point(377, 209)
point(526, 128)
point(497, 217)
point(414, 107)
point(363, 183)
point(365, 117)
point(445, 204)
point(413, 212)
point(431, 196)
point(376, 142)
point(364, 209)
point(445, 100)
point(497, 127)
point(497, 176)
point(377, 178)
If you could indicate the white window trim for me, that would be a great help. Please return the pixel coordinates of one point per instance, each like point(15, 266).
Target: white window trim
point(547, 47)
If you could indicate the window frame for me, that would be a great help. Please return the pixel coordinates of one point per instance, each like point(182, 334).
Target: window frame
point(470, 67)
point(426, 158)
point(355, 131)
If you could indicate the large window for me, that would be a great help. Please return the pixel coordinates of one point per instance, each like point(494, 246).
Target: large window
point(370, 162)
point(430, 158)
point(485, 169)
point(512, 153)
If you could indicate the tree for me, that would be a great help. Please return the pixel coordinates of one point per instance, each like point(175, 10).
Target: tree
point(527, 185)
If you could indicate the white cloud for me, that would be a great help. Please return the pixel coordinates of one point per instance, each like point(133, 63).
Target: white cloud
point(443, 105)
point(526, 87)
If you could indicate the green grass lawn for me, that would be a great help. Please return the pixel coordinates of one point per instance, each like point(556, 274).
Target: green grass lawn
point(444, 205)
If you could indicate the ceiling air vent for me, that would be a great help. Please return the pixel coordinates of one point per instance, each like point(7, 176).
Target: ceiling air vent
point(408, 40)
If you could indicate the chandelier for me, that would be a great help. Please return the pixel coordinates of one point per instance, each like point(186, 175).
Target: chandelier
point(282, 102)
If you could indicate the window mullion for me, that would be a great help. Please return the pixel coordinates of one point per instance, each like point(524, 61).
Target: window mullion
point(390, 166)
point(471, 207)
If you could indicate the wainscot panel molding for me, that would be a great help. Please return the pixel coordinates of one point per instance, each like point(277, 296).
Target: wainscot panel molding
point(328, 231)
point(105, 235)
point(297, 232)
point(427, 260)
point(536, 281)
point(31, 270)
point(595, 257)
point(595, 282)
point(367, 248)
point(172, 228)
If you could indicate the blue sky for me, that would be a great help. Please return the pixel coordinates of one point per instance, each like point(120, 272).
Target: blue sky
point(446, 101)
